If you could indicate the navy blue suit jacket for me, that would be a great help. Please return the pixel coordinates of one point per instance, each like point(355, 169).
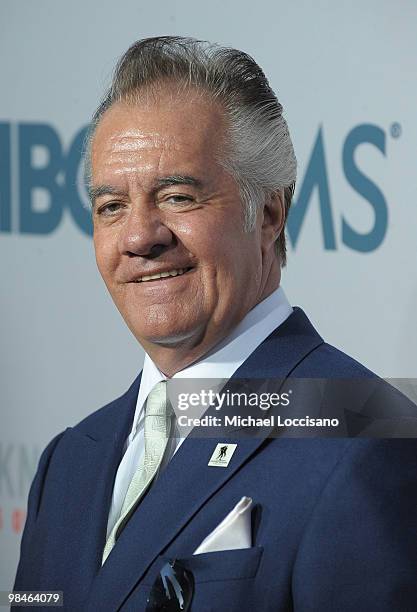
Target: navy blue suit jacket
point(334, 522)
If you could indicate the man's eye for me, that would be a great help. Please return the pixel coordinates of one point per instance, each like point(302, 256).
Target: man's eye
point(179, 199)
point(108, 209)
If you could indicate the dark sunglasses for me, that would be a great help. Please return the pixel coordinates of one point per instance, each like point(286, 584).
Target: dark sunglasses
point(173, 589)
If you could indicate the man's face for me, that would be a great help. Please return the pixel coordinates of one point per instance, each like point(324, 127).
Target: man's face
point(164, 205)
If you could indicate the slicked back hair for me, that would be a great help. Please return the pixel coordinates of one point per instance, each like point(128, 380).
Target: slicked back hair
point(259, 152)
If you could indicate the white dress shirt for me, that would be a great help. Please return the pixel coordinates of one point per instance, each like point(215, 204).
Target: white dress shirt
point(220, 363)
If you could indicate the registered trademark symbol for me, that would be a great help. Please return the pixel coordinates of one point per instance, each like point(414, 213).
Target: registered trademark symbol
point(395, 129)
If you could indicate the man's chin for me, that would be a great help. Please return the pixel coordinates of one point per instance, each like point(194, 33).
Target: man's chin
point(170, 341)
point(169, 338)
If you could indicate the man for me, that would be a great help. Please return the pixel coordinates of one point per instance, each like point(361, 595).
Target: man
point(191, 175)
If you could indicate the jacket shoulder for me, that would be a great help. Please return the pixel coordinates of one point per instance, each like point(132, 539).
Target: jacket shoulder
point(326, 361)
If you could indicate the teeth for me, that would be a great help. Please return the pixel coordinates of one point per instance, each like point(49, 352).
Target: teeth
point(162, 275)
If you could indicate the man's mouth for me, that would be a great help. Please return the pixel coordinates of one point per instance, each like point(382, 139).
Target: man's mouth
point(157, 276)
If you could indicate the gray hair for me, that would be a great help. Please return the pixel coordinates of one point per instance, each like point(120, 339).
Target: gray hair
point(260, 153)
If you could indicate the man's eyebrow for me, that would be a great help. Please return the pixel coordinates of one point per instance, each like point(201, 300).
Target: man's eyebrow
point(177, 179)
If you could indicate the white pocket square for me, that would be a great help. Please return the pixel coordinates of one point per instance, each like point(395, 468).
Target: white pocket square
point(233, 532)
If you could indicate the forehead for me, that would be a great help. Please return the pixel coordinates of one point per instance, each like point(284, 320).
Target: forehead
point(185, 129)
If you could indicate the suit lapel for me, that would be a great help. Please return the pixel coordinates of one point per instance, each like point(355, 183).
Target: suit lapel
point(283, 350)
point(90, 455)
point(188, 482)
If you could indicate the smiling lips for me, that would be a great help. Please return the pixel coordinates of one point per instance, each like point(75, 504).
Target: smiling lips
point(156, 276)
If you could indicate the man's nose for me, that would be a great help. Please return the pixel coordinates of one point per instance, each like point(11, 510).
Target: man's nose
point(144, 234)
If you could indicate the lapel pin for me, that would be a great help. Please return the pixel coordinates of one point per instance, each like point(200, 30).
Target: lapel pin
point(222, 455)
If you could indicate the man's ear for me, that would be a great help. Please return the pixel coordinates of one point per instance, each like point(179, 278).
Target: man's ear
point(273, 218)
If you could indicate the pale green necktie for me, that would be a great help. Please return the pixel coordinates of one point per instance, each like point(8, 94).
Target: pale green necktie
point(157, 426)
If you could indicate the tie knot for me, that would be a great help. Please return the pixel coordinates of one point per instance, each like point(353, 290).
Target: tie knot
point(157, 403)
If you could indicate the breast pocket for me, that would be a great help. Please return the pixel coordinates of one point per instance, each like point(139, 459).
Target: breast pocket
point(240, 564)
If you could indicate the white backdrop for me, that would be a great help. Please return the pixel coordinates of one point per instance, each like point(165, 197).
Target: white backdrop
point(347, 78)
